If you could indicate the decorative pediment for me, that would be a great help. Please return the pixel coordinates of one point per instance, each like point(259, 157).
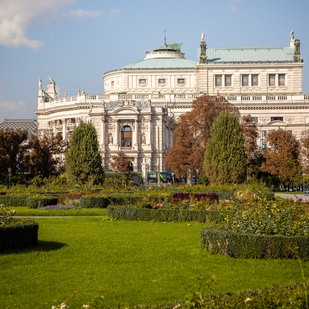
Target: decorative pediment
point(277, 123)
point(126, 107)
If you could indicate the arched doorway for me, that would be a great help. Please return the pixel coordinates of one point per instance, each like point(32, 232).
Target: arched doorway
point(131, 166)
point(126, 137)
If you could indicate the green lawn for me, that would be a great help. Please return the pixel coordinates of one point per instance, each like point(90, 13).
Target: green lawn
point(25, 211)
point(130, 262)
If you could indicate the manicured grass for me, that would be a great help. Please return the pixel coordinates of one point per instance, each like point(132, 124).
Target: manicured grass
point(25, 211)
point(130, 262)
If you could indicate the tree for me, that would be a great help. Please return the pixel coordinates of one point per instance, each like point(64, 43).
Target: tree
point(282, 156)
point(11, 150)
point(305, 151)
point(83, 161)
point(45, 154)
point(121, 163)
point(225, 156)
point(250, 134)
point(192, 133)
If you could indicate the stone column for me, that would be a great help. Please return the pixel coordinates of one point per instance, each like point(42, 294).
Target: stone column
point(54, 127)
point(136, 134)
point(63, 128)
point(103, 133)
point(149, 132)
point(116, 133)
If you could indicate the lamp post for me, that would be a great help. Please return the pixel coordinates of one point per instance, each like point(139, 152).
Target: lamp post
point(9, 170)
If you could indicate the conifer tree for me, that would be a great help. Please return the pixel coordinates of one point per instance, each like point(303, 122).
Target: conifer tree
point(83, 161)
point(225, 157)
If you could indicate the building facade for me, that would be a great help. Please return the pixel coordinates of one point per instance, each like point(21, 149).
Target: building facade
point(141, 101)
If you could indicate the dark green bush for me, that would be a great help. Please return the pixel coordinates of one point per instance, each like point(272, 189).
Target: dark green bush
point(97, 201)
point(220, 239)
point(166, 215)
point(37, 202)
point(18, 235)
point(14, 200)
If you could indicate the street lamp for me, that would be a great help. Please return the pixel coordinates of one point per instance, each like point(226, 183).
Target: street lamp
point(9, 170)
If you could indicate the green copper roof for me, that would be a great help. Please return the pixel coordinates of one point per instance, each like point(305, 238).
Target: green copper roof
point(161, 63)
point(249, 54)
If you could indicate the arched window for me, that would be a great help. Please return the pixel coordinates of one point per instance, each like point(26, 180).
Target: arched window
point(126, 137)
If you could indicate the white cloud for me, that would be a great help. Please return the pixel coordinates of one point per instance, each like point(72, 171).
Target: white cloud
point(17, 16)
point(233, 8)
point(113, 13)
point(12, 106)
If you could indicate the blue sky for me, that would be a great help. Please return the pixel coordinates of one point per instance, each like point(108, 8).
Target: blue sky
point(76, 42)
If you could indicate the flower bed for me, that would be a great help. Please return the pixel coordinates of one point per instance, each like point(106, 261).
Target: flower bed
point(60, 207)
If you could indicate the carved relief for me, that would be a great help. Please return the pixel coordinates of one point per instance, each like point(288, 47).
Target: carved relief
point(289, 120)
point(264, 120)
point(124, 123)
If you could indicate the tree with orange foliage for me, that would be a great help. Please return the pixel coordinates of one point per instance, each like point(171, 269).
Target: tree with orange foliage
point(45, 155)
point(121, 163)
point(192, 133)
point(282, 156)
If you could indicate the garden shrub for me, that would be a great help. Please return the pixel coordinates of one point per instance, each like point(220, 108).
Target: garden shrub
point(221, 239)
point(15, 236)
point(166, 215)
point(198, 196)
point(99, 201)
point(14, 199)
point(38, 202)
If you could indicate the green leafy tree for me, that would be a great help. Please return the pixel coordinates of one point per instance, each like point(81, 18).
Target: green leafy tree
point(83, 161)
point(225, 156)
point(11, 150)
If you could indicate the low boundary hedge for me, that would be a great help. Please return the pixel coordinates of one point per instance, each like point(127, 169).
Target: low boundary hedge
point(18, 236)
point(220, 239)
point(37, 202)
point(103, 201)
point(14, 200)
point(166, 215)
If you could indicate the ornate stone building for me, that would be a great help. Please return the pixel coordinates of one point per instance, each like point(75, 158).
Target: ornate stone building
point(142, 99)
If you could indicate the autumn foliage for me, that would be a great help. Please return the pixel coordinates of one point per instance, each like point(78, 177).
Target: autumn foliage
point(282, 155)
point(121, 163)
point(192, 133)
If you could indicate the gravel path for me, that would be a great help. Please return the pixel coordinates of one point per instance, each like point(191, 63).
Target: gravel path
point(295, 196)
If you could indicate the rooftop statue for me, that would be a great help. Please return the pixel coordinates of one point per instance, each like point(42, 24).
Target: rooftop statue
point(292, 34)
point(202, 36)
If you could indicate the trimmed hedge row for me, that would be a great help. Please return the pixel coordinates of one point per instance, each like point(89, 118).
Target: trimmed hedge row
point(18, 236)
point(38, 202)
point(166, 215)
point(220, 239)
point(103, 201)
point(14, 200)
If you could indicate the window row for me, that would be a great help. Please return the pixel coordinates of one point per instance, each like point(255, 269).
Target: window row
point(161, 81)
point(226, 80)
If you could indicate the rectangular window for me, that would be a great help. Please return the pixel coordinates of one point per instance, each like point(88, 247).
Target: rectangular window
point(112, 83)
point(181, 81)
point(218, 80)
point(281, 79)
point(264, 145)
point(272, 79)
point(255, 119)
point(254, 80)
point(276, 118)
point(228, 80)
point(161, 81)
point(264, 133)
point(142, 81)
point(245, 80)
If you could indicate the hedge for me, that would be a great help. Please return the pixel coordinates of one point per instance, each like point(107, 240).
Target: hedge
point(37, 202)
point(18, 236)
point(103, 201)
point(14, 200)
point(166, 215)
point(220, 239)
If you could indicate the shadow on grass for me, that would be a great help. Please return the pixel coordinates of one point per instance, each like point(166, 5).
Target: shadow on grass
point(41, 246)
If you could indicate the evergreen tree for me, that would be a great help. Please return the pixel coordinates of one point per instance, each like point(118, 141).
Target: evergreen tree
point(83, 161)
point(225, 157)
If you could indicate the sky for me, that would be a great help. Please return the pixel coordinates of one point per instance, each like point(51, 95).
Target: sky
point(76, 42)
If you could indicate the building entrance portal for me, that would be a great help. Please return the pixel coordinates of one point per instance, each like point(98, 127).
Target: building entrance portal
point(126, 137)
